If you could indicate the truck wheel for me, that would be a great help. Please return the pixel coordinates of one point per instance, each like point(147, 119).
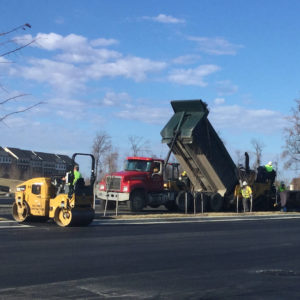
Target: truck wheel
point(110, 205)
point(171, 206)
point(137, 201)
point(216, 202)
point(180, 201)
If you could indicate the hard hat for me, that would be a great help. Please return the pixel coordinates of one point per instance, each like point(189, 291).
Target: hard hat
point(270, 163)
point(183, 173)
point(245, 183)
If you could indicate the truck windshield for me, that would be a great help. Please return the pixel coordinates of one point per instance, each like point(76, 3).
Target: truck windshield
point(138, 165)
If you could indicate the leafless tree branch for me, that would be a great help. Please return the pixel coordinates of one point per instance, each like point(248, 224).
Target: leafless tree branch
point(16, 49)
point(12, 98)
point(16, 28)
point(292, 139)
point(138, 146)
point(258, 147)
point(24, 27)
point(20, 111)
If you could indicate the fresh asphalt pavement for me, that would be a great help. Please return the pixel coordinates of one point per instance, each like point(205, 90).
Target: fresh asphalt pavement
point(200, 258)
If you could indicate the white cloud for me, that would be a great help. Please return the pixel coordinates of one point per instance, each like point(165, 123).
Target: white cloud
point(103, 42)
point(186, 59)
point(215, 46)
point(63, 76)
point(75, 48)
point(54, 41)
point(162, 18)
point(115, 99)
point(192, 76)
point(130, 67)
point(219, 101)
point(63, 71)
point(226, 87)
point(237, 119)
point(88, 55)
point(145, 114)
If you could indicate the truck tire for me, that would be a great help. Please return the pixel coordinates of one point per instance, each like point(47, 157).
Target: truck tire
point(171, 206)
point(216, 202)
point(180, 201)
point(137, 201)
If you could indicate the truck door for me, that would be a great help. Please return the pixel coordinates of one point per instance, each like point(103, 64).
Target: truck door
point(36, 200)
point(156, 180)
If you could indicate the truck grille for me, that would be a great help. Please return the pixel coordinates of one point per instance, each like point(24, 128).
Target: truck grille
point(113, 183)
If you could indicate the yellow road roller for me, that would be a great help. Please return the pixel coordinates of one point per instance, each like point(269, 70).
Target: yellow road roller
point(57, 198)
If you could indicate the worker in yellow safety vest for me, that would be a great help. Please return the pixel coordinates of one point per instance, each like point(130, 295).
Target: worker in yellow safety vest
point(247, 196)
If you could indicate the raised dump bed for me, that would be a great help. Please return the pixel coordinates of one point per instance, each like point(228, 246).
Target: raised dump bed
point(198, 148)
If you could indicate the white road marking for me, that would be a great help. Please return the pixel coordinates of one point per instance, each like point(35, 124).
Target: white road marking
point(9, 224)
point(99, 222)
point(14, 224)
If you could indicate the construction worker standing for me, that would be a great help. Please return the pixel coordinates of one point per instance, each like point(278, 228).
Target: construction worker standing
point(269, 167)
point(77, 174)
point(282, 187)
point(247, 196)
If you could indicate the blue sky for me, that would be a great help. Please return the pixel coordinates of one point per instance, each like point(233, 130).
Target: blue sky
point(116, 65)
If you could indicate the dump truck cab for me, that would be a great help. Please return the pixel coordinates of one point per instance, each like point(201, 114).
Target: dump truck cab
point(139, 184)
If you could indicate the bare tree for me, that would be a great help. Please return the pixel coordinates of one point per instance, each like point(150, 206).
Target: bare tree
point(239, 157)
point(138, 146)
point(258, 147)
point(111, 161)
point(9, 46)
point(101, 147)
point(292, 139)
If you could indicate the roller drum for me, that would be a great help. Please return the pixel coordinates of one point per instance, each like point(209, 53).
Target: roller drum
point(74, 217)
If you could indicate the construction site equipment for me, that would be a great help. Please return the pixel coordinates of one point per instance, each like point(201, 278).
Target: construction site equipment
point(66, 203)
point(212, 182)
point(143, 183)
point(201, 153)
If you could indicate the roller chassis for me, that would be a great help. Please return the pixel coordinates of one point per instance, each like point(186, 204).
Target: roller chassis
point(43, 198)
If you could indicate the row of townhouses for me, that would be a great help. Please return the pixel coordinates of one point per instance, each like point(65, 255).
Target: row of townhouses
point(24, 164)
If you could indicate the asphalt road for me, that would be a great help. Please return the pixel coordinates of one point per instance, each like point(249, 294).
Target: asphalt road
point(250, 259)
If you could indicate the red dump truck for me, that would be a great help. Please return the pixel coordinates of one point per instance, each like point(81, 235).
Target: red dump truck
point(213, 177)
point(140, 184)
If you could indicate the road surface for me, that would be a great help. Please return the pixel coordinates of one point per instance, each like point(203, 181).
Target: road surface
point(207, 259)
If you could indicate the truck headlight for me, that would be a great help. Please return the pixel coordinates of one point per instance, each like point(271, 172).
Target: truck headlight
point(125, 188)
point(102, 187)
